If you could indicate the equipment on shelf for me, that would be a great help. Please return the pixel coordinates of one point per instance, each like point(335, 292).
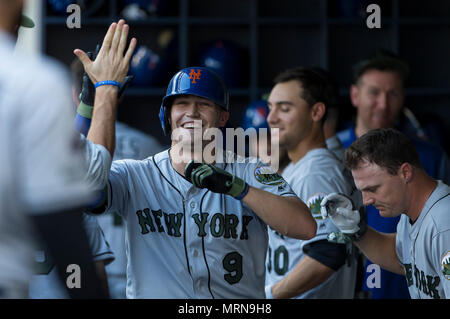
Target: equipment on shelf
point(227, 59)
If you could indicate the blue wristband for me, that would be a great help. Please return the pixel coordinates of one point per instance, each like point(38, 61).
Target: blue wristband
point(244, 192)
point(115, 83)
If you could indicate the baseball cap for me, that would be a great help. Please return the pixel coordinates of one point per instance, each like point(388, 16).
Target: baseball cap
point(26, 22)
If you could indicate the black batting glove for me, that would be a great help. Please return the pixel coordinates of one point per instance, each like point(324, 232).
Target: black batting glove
point(87, 95)
point(215, 179)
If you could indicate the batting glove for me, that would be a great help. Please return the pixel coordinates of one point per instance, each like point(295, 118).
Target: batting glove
point(215, 179)
point(351, 222)
point(87, 95)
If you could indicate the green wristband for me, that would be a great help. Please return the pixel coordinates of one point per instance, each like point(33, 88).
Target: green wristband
point(85, 110)
point(237, 187)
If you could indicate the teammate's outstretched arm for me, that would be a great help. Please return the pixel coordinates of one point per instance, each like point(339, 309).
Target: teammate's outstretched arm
point(287, 215)
point(378, 247)
point(306, 275)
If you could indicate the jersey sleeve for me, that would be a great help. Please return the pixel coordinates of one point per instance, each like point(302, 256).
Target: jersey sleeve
point(99, 246)
point(52, 175)
point(312, 189)
point(98, 163)
point(117, 187)
point(262, 176)
point(398, 238)
point(441, 259)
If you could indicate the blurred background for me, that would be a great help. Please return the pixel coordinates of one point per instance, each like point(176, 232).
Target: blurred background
point(249, 41)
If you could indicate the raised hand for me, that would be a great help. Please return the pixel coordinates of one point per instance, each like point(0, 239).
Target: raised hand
point(111, 63)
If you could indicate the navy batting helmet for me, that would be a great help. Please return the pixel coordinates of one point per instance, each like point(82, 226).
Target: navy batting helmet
point(255, 115)
point(227, 59)
point(198, 81)
point(147, 66)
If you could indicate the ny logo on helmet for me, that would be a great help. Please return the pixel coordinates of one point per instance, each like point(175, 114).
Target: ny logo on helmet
point(194, 75)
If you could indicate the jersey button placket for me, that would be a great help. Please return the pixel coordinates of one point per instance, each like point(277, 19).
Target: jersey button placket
point(193, 243)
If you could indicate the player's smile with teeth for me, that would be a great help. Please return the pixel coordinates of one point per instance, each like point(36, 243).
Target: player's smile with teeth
point(192, 125)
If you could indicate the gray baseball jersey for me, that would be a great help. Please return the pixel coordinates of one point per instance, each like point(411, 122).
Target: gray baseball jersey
point(45, 284)
point(314, 176)
point(334, 145)
point(424, 247)
point(130, 144)
point(186, 242)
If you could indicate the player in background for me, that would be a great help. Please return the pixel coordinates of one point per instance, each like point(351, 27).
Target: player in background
point(378, 94)
point(200, 228)
point(255, 116)
point(45, 284)
point(311, 268)
point(386, 168)
point(130, 143)
point(42, 186)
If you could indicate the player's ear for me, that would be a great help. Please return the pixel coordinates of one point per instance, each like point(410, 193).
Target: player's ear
point(223, 118)
point(354, 95)
point(318, 111)
point(406, 172)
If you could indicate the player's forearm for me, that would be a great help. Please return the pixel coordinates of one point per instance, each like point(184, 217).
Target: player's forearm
point(287, 215)
point(307, 275)
point(102, 130)
point(380, 249)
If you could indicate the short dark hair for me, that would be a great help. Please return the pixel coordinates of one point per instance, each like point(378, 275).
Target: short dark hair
point(316, 85)
point(383, 61)
point(333, 100)
point(388, 148)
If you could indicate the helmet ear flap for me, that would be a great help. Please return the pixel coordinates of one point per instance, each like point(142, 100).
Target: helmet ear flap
point(164, 120)
point(164, 114)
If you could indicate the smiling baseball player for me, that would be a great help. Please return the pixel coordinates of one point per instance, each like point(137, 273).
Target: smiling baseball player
point(194, 230)
point(311, 268)
point(130, 143)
